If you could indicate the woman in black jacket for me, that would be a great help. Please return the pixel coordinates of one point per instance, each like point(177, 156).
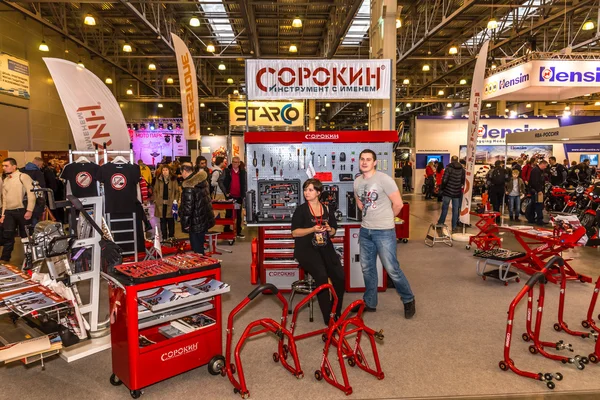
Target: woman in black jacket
point(196, 210)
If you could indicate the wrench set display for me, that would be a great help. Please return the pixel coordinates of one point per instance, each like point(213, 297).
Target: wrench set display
point(276, 163)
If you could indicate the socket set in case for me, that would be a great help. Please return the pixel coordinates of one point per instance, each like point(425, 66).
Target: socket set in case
point(278, 199)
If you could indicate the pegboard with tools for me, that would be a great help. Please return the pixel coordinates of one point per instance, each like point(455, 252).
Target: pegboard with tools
point(333, 156)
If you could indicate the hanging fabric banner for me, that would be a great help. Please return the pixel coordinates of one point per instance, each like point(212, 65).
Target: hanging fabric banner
point(473, 130)
point(189, 89)
point(93, 112)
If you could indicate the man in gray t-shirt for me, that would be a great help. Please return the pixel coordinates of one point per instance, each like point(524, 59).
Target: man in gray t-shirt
point(380, 201)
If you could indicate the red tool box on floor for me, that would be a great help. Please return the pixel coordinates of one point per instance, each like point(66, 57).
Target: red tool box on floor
point(140, 366)
point(402, 230)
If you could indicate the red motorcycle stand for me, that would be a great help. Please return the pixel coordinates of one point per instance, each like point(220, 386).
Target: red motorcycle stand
point(266, 325)
point(589, 322)
point(561, 325)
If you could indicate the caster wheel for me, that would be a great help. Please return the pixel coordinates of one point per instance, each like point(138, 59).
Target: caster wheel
point(236, 391)
point(518, 280)
point(533, 350)
point(468, 247)
point(592, 357)
point(505, 283)
point(318, 375)
point(404, 240)
point(550, 385)
point(286, 351)
point(580, 366)
point(558, 376)
point(548, 376)
point(585, 324)
point(503, 366)
point(557, 327)
point(135, 393)
point(245, 395)
point(381, 376)
point(300, 375)
point(115, 381)
point(525, 337)
point(216, 365)
point(483, 277)
point(585, 360)
point(348, 392)
point(563, 361)
point(231, 242)
point(598, 316)
point(324, 337)
point(351, 362)
point(275, 357)
point(232, 368)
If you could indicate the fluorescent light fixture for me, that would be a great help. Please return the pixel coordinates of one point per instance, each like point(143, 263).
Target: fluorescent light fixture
point(43, 47)
point(222, 67)
point(425, 68)
point(89, 20)
point(588, 25)
point(170, 80)
point(210, 48)
point(553, 102)
point(108, 81)
point(152, 67)
point(230, 81)
point(406, 81)
point(293, 48)
point(463, 82)
point(453, 50)
point(492, 24)
point(587, 95)
point(127, 48)
point(297, 23)
point(160, 105)
point(129, 92)
point(194, 21)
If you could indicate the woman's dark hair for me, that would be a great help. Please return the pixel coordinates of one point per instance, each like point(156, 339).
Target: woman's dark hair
point(316, 184)
point(171, 172)
point(440, 168)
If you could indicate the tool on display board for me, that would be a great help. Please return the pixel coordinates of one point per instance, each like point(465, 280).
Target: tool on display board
point(291, 162)
point(271, 162)
point(263, 160)
point(254, 160)
point(256, 173)
point(304, 159)
point(325, 160)
point(280, 160)
point(379, 163)
point(298, 159)
point(352, 160)
point(281, 172)
point(312, 157)
point(333, 160)
point(319, 160)
point(278, 199)
point(274, 170)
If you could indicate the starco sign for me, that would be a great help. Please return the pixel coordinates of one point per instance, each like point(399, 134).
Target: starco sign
point(266, 113)
point(301, 79)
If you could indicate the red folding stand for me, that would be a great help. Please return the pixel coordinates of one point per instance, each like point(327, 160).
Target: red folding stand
point(267, 325)
point(486, 239)
point(589, 322)
point(507, 363)
point(561, 325)
point(344, 327)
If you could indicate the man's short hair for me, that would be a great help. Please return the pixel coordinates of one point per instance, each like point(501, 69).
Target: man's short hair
point(199, 159)
point(454, 159)
point(140, 161)
point(586, 160)
point(38, 159)
point(552, 158)
point(10, 160)
point(368, 151)
point(187, 167)
point(543, 162)
point(219, 160)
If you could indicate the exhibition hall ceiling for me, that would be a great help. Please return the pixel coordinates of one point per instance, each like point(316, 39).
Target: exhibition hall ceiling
point(436, 41)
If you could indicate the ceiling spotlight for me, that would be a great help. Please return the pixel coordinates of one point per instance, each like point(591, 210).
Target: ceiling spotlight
point(597, 103)
point(453, 50)
point(408, 105)
point(127, 48)
point(566, 114)
point(222, 67)
point(210, 48)
point(440, 92)
point(406, 81)
point(492, 24)
point(553, 102)
point(398, 23)
point(366, 124)
point(129, 92)
point(322, 109)
point(236, 92)
point(297, 23)
point(488, 105)
point(202, 105)
point(448, 105)
point(587, 95)
point(170, 126)
point(463, 82)
point(426, 68)
point(528, 105)
point(152, 126)
point(317, 117)
point(327, 105)
point(493, 66)
point(230, 81)
point(170, 80)
point(506, 110)
point(293, 48)
point(152, 67)
point(167, 138)
point(368, 104)
point(195, 22)
point(43, 47)
point(588, 25)
point(80, 64)
point(567, 108)
point(108, 81)
point(208, 129)
point(397, 109)
point(449, 113)
point(89, 20)
point(160, 105)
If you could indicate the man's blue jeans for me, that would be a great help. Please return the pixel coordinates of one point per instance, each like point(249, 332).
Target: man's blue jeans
point(455, 210)
point(375, 242)
point(514, 206)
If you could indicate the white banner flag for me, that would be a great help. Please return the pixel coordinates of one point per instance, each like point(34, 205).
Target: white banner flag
point(93, 112)
point(473, 128)
point(189, 89)
point(318, 79)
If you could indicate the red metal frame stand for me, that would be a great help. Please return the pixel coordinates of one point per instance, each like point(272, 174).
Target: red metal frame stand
point(486, 239)
point(265, 325)
point(589, 322)
point(561, 324)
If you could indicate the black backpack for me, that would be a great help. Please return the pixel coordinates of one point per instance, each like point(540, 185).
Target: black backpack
point(498, 177)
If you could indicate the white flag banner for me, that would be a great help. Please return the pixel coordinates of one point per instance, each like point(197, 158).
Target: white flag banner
point(157, 241)
point(318, 79)
point(93, 112)
point(189, 89)
point(473, 127)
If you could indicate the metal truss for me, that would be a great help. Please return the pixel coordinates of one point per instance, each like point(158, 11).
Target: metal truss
point(340, 19)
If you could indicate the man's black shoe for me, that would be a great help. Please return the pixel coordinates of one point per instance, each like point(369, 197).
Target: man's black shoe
point(409, 309)
point(367, 308)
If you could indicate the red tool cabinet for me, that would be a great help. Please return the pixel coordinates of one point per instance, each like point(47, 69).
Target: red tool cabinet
point(402, 229)
point(138, 367)
point(226, 205)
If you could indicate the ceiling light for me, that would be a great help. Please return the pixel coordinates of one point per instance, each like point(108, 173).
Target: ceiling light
point(160, 105)
point(528, 105)
point(317, 117)
point(453, 50)
point(293, 48)
point(202, 105)
point(222, 67)
point(297, 23)
point(463, 82)
point(368, 104)
point(210, 48)
point(566, 113)
point(323, 109)
point(408, 105)
point(553, 102)
point(129, 91)
point(108, 81)
point(127, 48)
point(397, 109)
point(588, 25)
point(43, 46)
point(426, 68)
point(406, 81)
point(493, 66)
point(152, 67)
point(194, 21)
point(587, 95)
point(513, 114)
point(597, 103)
point(81, 64)
point(492, 24)
point(230, 81)
point(489, 105)
point(327, 105)
point(567, 108)
point(506, 110)
point(398, 23)
point(89, 20)
point(449, 113)
point(366, 124)
point(169, 80)
point(448, 105)
point(236, 92)
point(440, 92)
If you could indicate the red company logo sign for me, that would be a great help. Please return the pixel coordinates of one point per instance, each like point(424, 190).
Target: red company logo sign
point(189, 94)
point(340, 77)
point(92, 120)
point(179, 352)
point(287, 274)
point(321, 136)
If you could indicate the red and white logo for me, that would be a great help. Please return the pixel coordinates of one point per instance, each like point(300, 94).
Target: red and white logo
point(118, 181)
point(83, 179)
point(547, 74)
point(480, 131)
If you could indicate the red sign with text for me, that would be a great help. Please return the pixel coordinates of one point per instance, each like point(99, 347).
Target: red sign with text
point(322, 136)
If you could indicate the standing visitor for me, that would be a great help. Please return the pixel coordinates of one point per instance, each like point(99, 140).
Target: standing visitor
point(429, 180)
point(166, 191)
point(196, 210)
point(407, 174)
point(496, 185)
point(535, 210)
point(234, 180)
point(453, 183)
point(515, 188)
